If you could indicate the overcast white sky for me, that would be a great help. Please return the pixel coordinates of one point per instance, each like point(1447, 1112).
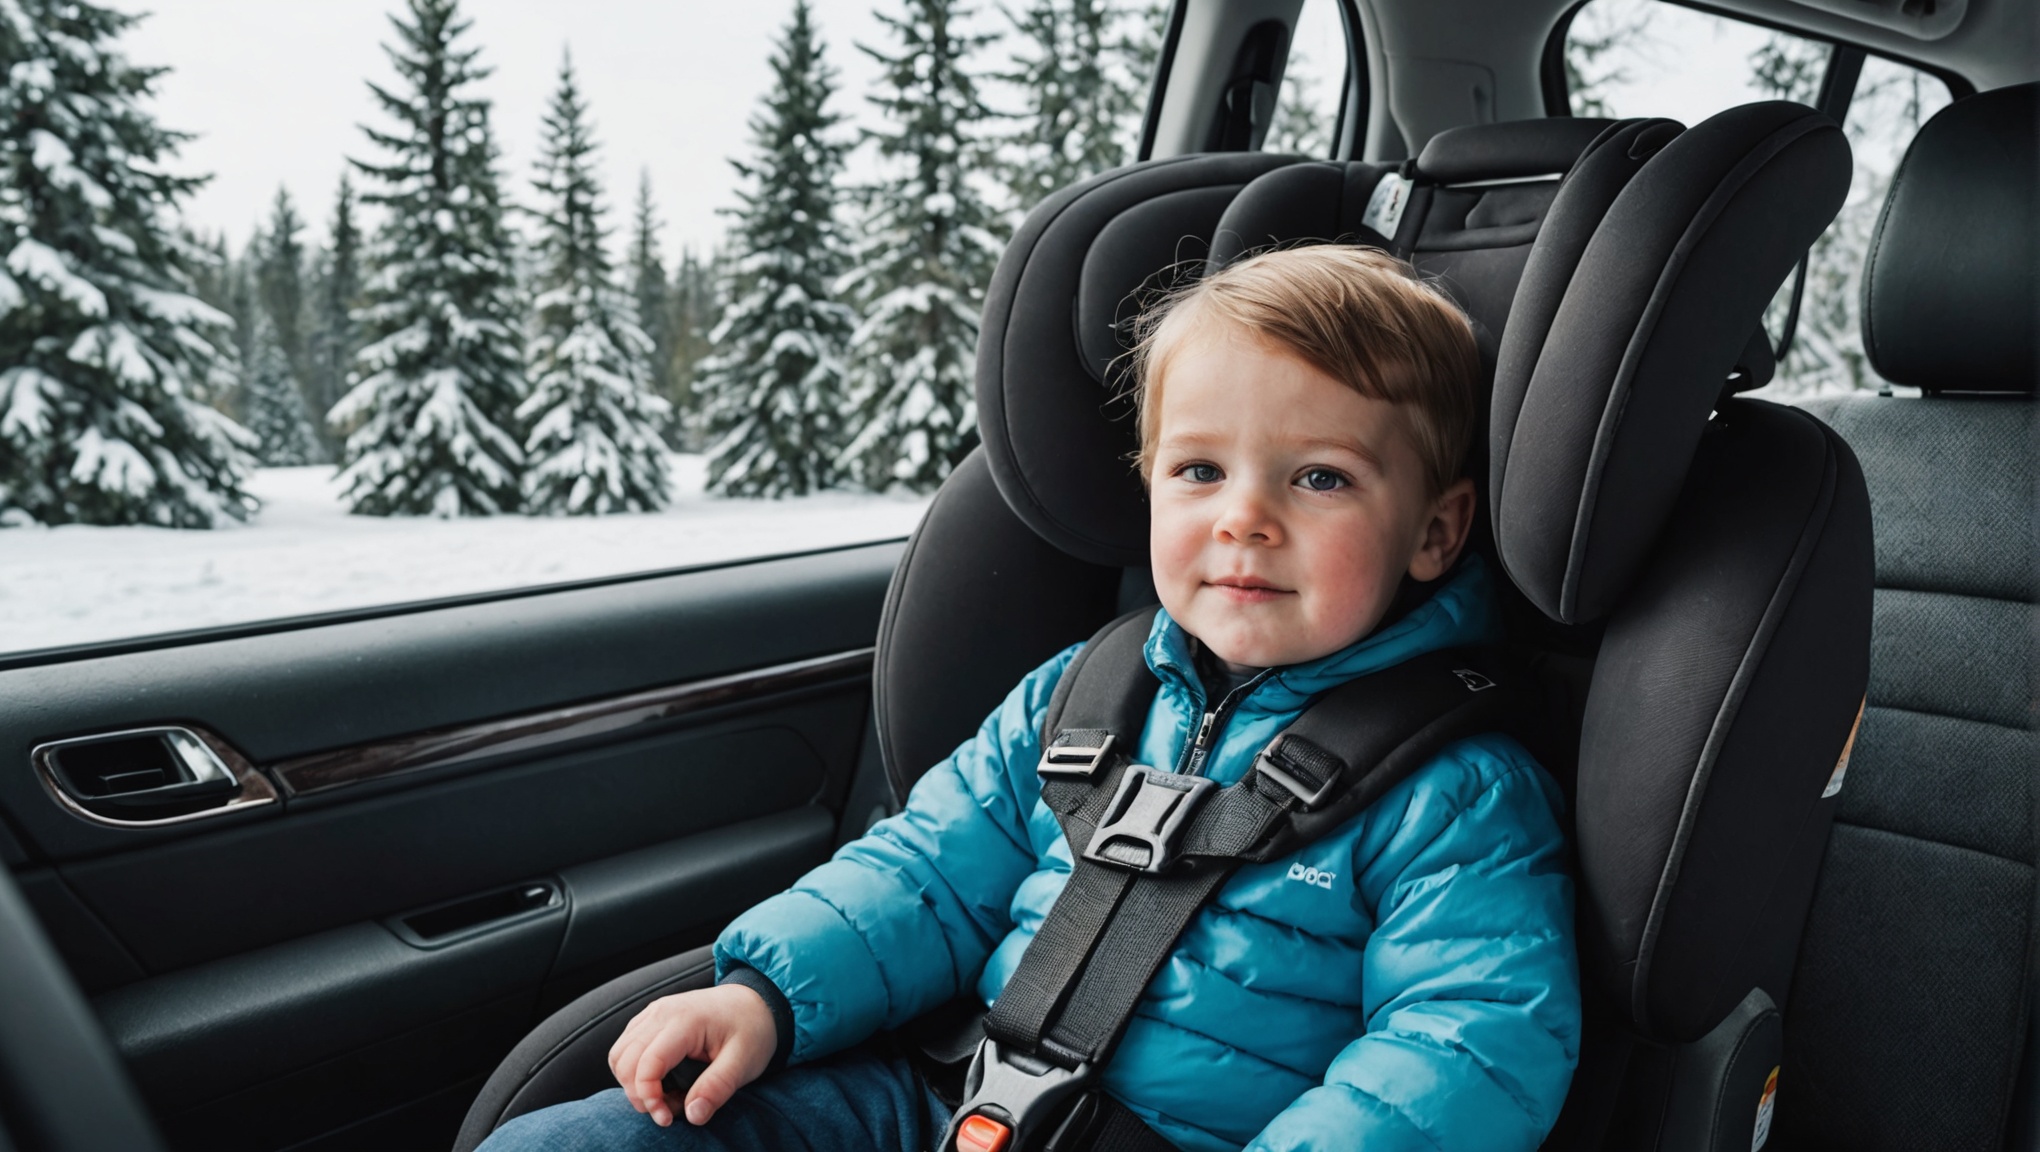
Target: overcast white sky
point(275, 91)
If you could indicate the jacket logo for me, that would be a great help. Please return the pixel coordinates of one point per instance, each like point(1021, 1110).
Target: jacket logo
point(1474, 681)
point(1312, 876)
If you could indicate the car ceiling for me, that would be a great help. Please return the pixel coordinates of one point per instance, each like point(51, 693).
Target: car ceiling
point(1433, 52)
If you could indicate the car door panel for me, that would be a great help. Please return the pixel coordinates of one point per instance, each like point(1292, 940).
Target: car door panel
point(654, 754)
point(202, 898)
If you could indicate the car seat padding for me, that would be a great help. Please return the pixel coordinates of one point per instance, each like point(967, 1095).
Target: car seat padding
point(1651, 323)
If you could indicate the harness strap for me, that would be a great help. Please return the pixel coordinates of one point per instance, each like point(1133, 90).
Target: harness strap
point(1106, 937)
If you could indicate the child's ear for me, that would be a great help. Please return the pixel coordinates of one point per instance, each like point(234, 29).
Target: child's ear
point(1450, 518)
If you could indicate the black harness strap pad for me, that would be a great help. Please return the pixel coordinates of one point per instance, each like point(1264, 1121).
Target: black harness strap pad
point(1380, 728)
point(1106, 690)
point(1117, 685)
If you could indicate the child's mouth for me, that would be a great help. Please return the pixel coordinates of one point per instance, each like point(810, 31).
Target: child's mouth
point(1247, 590)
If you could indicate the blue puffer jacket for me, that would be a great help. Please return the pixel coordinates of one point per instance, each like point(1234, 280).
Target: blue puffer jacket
point(1407, 982)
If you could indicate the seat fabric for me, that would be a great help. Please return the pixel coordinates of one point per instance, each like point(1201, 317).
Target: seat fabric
point(1908, 1010)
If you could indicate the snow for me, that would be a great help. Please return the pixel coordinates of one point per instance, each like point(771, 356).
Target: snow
point(303, 553)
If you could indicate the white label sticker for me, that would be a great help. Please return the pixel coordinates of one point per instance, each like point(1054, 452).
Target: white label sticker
point(1765, 1106)
point(1384, 207)
point(1841, 772)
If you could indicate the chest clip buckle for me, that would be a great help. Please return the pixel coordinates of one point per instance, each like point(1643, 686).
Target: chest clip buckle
point(1143, 826)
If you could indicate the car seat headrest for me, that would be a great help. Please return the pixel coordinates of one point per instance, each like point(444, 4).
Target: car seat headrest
point(1951, 285)
point(1625, 326)
point(1058, 436)
point(1511, 150)
point(1319, 202)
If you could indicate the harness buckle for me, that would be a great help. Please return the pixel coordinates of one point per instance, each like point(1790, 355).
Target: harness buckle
point(1065, 759)
point(1142, 828)
point(1012, 1097)
point(1308, 778)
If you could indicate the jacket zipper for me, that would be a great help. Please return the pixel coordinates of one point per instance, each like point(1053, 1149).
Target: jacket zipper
point(1213, 723)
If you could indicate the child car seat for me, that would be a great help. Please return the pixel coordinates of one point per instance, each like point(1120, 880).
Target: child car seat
point(1737, 611)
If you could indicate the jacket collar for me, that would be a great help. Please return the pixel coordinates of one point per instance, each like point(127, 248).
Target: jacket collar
point(1461, 612)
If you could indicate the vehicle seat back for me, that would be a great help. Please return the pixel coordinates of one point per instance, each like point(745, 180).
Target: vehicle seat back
point(1912, 1004)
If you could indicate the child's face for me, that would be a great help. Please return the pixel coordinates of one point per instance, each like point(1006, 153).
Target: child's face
point(1286, 506)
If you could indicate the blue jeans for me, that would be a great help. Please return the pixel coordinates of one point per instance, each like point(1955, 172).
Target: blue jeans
point(855, 1101)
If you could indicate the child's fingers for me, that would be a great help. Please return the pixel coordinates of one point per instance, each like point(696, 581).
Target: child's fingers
point(736, 1065)
point(658, 1057)
point(623, 1062)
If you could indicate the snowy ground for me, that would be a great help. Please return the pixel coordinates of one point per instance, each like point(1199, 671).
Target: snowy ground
point(304, 554)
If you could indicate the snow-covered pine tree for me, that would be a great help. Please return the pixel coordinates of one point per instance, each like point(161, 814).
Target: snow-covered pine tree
point(926, 248)
point(437, 384)
point(272, 406)
point(595, 443)
point(646, 271)
point(336, 291)
point(104, 351)
point(772, 394)
point(1078, 92)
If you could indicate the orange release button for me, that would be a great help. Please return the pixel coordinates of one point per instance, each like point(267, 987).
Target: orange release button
point(982, 1134)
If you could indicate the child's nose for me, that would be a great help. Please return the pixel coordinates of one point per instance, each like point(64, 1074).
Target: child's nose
point(1247, 518)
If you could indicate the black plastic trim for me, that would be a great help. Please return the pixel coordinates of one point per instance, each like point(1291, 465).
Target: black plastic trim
point(1151, 121)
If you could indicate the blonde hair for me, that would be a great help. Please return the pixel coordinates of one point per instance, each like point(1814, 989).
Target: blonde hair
point(1358, 315)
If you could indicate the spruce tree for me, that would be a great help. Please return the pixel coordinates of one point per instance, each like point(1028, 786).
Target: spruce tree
point(1079, 93)
point(437, 383)
point(280, 277)
point(773, 391)
point(271, 404)
point(926, 248)
point(696, 311)
point(595, 442)
point(646, 271)
point(105, 353)
point(336, 291)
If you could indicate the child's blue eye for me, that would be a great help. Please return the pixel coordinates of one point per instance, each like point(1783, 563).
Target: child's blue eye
point(1323, 480)
point(1202, 473)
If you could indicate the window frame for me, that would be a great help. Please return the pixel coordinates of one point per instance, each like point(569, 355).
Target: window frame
point(1558, 95)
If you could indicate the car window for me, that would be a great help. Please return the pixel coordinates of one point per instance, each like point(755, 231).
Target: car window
point(1651, 58)
point(1313, 83)
point(317, 335)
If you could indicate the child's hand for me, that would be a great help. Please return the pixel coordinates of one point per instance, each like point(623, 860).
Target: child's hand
point(729, 1026)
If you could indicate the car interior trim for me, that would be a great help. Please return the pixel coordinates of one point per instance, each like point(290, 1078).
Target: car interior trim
point(253, 789)
point(205, 635)
point(533, 731)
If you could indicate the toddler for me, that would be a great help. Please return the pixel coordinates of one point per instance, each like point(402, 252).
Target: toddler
point(1407, 981)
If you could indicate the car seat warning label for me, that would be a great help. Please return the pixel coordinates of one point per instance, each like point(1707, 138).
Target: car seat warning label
point(1385, 207)
point(1834, 784)
point(1765, 1105)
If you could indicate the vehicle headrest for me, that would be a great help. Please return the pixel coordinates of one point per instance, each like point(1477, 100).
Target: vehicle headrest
point(1057, 435)
point(1625, 326)
point(1951, 285)
point(1511, 150)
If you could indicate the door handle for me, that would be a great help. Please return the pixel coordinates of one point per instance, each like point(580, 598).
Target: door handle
point(143, 777)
